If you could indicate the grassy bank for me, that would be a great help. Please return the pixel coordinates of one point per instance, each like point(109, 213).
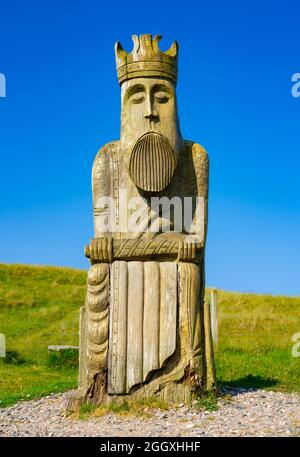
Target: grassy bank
point(39, 307)
point(255, 341)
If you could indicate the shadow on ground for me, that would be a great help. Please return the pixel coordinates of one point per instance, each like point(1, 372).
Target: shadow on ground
point(250, 382)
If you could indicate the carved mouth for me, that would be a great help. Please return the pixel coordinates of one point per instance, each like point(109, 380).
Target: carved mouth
point(152, 162)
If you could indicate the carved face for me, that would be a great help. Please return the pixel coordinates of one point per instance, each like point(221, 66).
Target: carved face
point(150, 131)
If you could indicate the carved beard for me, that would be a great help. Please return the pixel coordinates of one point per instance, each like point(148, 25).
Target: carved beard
point(152, 162)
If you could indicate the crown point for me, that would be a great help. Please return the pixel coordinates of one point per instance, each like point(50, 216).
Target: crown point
point(118, 46)
point(173, 50)
point(136, 43)
point(119, 50)
point(120, 54)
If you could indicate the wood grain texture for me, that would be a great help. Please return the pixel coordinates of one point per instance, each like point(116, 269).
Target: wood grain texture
point(143, 321)
point(168, 310)
point(151, 325)
point(118, 328)
point(97, 319)
point(135, 306)
point(209, 349)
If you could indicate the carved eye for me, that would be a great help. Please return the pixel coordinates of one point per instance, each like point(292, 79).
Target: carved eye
point(137, 98)
point(161, 97)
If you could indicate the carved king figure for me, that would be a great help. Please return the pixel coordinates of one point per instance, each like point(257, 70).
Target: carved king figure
point(145, 329)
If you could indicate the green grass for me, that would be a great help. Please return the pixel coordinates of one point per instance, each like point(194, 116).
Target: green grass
point(143, 407)
point(31, 381)
point(39, 306)
point(207, 400)
point(255, 341)
point(65, 359)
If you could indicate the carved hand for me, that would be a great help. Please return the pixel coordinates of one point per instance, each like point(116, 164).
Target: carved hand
point(100, 249)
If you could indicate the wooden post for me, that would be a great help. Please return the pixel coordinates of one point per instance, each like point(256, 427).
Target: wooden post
point(2, 345)
point(214, 315)
point(209, 350)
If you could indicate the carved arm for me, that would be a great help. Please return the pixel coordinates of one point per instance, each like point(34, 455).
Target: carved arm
point(108, 249)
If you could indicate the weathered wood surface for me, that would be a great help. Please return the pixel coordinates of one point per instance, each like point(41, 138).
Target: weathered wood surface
point(214, 316)
point(117, 356)
point(168, 310)
point(62, 348)
point(209, 349)
point(151, 324)
point(143, 321)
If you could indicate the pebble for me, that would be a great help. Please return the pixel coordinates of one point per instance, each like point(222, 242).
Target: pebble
point(244, 413)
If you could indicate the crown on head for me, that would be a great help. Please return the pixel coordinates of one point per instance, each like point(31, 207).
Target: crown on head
point(146, 59)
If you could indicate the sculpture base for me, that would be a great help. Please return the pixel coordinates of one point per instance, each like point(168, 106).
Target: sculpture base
point(173, 394)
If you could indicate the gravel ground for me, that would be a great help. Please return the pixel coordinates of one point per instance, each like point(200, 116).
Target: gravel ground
point(241, 413)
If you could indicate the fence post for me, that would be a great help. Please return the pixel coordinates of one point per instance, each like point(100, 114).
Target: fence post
point(214, 315)
point(2, 345)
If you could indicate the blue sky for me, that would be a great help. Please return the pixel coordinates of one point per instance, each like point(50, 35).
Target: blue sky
point(235, 67)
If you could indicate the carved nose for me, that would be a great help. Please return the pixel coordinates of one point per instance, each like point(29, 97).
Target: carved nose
point(152, 117)
point(150, 112)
